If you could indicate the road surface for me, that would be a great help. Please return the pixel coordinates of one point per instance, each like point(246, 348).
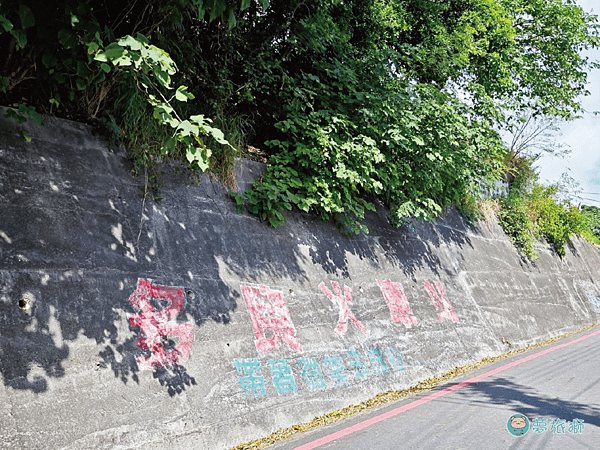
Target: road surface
point(556, 387)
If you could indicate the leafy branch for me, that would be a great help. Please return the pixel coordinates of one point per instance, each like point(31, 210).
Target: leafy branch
point(153, 68)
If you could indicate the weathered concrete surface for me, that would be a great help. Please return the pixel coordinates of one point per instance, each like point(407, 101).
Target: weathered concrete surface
point(76, 238)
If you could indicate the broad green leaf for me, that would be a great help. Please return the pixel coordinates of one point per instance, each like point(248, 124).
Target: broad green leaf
point(196, 154)
point(219, 7)
point(21, 38)
point(160, 57)
point(27, 17)
point(124, 60)
point(199, 119)
point(136, 59)
point(190, 154)
point(24, 137)
point(83, 70)
point(216, 134)
point(418, 140)
point(101, 56)
point(182, 94)
point(142, 39)
point(49, 60)
point(81, 84)
point(162, 116)
point(67, 38)
point(232, 21)
point(131, 42)
point(239, 200)
point(275, 223)
point(98, 78)
point(6, 24)
point(92, 47)
point(169, 145)
point(112, 53)
point(203, 164)
point(163, 108)
point(162, 77)
point(187, 128)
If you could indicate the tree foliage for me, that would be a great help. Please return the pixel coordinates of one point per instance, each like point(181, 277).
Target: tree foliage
point(397, 100)
point(592, 217)
point(532, 211)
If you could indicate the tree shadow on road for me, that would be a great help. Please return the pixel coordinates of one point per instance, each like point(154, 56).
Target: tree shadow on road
point(531, 403)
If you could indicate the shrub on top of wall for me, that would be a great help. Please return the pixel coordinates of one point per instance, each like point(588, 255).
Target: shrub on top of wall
point(532, 211)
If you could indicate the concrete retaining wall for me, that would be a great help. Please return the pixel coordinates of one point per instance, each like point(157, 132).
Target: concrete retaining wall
point(128, 324)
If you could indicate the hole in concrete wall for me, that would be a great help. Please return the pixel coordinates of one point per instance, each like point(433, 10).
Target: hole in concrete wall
point(26, 302)
point(191, 295)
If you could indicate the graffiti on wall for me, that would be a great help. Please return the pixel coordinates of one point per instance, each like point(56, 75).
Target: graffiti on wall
point(273, 326)
point(159, 326)
point(269, 312)
point(438, 298)
point(397, 303)
point(333, 371)
point(343, 302)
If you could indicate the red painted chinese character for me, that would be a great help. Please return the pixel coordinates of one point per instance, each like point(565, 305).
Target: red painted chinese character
point(441, 304)
point(268, 311)
point(345, 312)
point(157, 326)
point(397, 303)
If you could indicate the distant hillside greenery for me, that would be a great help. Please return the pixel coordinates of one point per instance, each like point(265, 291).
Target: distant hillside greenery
point(532, 212)
point(353, 101)
point(592, 217)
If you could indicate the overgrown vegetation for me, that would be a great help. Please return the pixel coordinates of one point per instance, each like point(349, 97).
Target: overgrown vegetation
point(532, 211)
point(592, 217)
point(397, 100)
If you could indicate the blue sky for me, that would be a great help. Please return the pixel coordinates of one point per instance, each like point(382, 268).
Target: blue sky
point(582, 136)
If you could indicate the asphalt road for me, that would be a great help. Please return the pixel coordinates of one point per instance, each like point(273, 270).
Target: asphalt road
point(556, 387)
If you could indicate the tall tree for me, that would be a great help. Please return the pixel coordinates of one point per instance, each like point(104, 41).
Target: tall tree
point(355, 100)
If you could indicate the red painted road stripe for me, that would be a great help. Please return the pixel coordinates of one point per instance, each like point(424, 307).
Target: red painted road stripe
point(394, 412)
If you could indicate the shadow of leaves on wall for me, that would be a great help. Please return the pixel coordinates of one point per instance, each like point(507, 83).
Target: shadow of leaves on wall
point(76, 235)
